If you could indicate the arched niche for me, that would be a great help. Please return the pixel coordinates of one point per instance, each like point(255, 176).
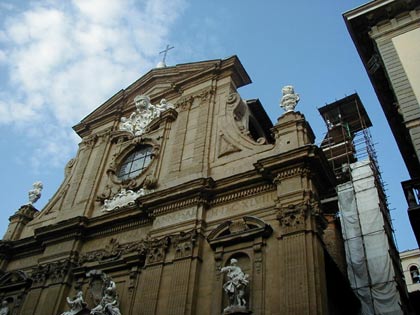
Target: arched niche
point(14, 286)
point(244, 240)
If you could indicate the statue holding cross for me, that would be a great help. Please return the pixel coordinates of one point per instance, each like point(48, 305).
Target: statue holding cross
point(162, 64)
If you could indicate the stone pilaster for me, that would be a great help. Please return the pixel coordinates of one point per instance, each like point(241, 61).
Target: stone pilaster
point(292, 131)
point(181, 275)
point(150, 278)
point(18, 221)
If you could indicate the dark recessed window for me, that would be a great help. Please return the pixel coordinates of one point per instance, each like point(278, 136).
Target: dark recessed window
point(135, 163)
point(414, 272)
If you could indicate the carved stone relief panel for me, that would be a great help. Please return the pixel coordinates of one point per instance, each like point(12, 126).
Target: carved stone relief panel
point(113, 251)
point(54, 272)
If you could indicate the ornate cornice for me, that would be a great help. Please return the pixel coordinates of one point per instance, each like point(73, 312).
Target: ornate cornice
point(242, 194)
point(175, 206)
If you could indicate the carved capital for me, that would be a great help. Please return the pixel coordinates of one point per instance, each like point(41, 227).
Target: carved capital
point(205, 94)
point(59, 270)
point(292, 217)
point(156, 250)
point(40, 274)
point(89, 142)
point(183, 244)
point(185, 103)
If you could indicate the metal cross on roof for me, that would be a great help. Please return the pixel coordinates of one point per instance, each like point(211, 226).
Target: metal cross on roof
point(165, 52)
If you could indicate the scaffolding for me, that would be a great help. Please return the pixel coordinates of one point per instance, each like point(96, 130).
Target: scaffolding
point(372, 259)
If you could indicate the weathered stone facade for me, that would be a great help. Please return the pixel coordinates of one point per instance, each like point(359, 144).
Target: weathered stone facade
point(222, 183)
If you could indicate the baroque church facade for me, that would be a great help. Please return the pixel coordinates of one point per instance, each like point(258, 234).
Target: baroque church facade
point(183, 198)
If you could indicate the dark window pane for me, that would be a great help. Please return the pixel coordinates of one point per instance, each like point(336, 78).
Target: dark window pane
point(135, 163)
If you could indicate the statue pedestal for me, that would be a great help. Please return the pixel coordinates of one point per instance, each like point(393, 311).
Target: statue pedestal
point(84, 311)
point(236, 310)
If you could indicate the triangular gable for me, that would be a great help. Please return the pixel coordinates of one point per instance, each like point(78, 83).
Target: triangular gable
point(167, 82)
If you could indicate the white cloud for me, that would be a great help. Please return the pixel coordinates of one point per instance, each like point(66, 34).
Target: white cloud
point(66, 58)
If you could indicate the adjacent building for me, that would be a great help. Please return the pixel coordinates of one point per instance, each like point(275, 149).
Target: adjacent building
point(387, 37)
point(410, 261)
point(373, 265)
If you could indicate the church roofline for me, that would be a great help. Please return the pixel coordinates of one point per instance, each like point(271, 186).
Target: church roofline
point(232, 66)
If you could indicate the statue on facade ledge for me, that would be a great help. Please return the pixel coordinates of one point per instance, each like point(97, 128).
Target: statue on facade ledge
point(289, 99)
point(76, 305)
point(235, 288)
point(145, 112)
point(109, 304)
point(35, 193)
point(4, 310)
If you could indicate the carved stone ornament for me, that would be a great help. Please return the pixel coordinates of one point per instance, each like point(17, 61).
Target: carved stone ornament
point(54, 271)
point(156, 250)
point(289, 99)
point(138, 121)
point(113, 251)
point(124, 198)
point(184, 243)
point(59, 269)
point(293, 216)
point(40, 274)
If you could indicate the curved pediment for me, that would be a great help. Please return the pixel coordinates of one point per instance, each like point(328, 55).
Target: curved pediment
point(246, 228)
point(13, 279)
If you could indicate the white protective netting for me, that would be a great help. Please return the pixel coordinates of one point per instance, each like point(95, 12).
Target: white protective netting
point(369, 264)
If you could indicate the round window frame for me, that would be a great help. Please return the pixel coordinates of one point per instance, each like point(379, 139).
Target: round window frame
point(129, 147)
point(145, 158)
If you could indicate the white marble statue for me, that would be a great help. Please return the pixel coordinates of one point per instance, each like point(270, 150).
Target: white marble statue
point(109, 303)
point(35, 193)
point(164, 105)
point(76, 305)
point(4, 310)
point(235, 286)
point(145, 112)
point(289, 99)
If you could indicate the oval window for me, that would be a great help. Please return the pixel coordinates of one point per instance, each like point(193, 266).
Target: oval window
point(135, 163)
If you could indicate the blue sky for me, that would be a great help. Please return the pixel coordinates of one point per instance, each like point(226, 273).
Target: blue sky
point(59, 60)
